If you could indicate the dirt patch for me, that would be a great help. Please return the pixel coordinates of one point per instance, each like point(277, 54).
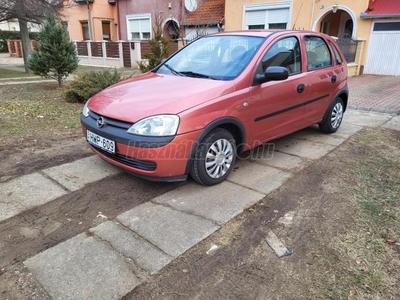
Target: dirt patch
point(40, 228)
point(17, 161)
point(326, 208)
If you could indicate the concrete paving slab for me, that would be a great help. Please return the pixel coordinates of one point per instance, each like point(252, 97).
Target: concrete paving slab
point(258, 177)
point(25, 192)
point(77, 174)
point(313, 135)
point(347, 129)
point(172, 231)
point(284, 161)
point(83, 268)
point(393, 123)
point(365, 118)
point(144, 254)
point(302, 148)
point(220, 203)
point(277, 245)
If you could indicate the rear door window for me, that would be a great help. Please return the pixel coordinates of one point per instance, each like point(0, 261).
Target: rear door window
point(318, 54)
point(339, 60)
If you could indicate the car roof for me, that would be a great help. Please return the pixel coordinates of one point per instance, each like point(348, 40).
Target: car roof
point(265, 33)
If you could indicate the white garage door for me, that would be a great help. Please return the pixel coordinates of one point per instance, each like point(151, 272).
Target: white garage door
point(383, 56)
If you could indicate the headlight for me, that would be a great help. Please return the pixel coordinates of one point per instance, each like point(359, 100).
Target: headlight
point(162, 125)
point(86, 110)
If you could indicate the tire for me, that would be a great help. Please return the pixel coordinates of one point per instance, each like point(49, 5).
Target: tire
point(333, 116)
point(214, 158)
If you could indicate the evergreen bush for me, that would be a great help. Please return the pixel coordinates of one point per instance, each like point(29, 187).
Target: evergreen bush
point(90, 83)
point(159, 48)
point(55, 57)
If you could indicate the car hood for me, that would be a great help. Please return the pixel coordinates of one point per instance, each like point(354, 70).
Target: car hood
point(152, 94)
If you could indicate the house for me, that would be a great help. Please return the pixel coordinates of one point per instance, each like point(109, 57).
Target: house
point(13, 25)
point(367, 31)
point(206, 19)
point(137, 18)
point(95, 20)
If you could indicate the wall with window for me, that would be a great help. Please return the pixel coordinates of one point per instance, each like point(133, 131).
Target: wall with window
point(315, 15)
point(103, 21)
point(137, 16)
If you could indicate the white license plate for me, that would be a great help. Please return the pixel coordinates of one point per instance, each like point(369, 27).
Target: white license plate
point(100, 141)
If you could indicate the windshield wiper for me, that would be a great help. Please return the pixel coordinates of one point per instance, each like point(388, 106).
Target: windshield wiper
point(173, 71)
point(196, 75)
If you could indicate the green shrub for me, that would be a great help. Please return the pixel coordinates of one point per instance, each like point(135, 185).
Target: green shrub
point(89, 83)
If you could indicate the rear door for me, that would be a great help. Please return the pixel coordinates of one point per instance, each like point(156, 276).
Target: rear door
point(323, 77)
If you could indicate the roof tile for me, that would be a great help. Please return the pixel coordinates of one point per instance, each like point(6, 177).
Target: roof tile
point(210, 12)
point(383, 7)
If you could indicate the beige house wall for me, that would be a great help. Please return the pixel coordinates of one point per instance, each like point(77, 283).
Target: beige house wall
point(307, 15)
point(100, 10)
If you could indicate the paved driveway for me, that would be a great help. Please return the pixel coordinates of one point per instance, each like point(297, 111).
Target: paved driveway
point(375, 93)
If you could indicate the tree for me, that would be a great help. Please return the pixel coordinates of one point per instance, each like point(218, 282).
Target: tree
point(159, 47)
point(28, 11)
point(55, 57)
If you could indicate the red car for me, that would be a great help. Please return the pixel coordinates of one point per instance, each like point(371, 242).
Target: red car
point(220, 95)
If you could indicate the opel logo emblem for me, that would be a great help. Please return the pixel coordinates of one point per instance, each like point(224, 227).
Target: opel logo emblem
point(101, 122)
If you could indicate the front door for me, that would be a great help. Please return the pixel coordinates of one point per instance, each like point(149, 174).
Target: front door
point(277, 106)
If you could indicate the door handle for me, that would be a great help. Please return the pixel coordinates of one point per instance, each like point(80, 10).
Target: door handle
point(301, 88)
point(333, 79)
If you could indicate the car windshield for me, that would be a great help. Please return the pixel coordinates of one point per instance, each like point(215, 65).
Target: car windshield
point(220, 57)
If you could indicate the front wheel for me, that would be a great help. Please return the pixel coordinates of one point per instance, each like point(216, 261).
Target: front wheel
point(333, 117)
point(214, 158)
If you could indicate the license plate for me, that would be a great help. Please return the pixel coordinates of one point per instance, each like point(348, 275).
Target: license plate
point(100, 142)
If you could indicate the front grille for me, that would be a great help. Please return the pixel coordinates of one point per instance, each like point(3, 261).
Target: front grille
point(132, 162)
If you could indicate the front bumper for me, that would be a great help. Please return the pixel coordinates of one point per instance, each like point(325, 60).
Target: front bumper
point(155, 158)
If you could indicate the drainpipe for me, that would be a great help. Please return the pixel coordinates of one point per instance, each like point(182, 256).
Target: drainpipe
point(89, 20)
point(119, 22)
point(312, 14)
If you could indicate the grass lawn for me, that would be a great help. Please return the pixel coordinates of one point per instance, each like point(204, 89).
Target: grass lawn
point(13, 73)
point(30, 113)
point(364, 262)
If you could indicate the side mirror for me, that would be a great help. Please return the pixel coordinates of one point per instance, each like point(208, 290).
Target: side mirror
point(273, 74)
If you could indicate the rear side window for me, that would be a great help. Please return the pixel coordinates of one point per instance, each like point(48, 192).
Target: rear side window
point(339, 60)
point(284, 53)
point(318, 54)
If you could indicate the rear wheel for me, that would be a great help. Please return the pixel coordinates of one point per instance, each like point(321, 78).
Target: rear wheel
point(333, 117)
point(214, 157)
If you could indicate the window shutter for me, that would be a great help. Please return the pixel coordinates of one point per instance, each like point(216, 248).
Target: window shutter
point(256, 17)
point(278, 16)
point(134, 25)
point(145, 25)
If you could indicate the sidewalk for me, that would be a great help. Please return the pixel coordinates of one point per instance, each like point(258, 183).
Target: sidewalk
point(140, 242)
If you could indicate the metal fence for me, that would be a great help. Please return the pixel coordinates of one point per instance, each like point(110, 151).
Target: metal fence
point(348, 47)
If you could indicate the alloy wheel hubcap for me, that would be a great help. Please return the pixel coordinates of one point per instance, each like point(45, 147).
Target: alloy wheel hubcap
point(219, 158)
point(337, 115)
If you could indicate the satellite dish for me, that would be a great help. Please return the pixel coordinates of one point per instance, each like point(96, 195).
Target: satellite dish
point(190, 5)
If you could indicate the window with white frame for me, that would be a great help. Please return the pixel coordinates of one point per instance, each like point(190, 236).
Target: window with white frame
point(139, 27)
point(267, 16)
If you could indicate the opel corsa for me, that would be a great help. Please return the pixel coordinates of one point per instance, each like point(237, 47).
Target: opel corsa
point(220, 95)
